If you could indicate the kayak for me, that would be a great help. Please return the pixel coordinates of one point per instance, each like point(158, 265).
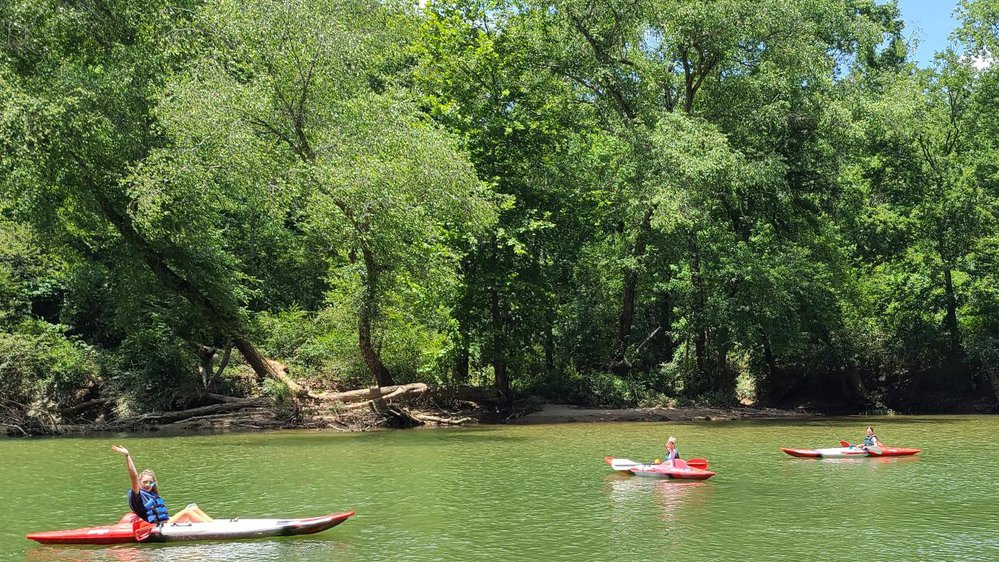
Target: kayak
point(849, 452)
point(678, 470)
point(130, 529)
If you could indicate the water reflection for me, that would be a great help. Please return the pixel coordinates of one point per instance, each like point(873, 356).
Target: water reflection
point(287, 549)
point(874, 461)
point(673, 497)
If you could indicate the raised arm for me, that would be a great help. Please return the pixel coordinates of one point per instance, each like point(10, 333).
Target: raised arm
point(133, 474)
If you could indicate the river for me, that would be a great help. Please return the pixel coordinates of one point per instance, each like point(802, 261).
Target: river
point(532, 492)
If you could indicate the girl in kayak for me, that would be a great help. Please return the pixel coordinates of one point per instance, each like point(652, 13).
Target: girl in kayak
point(145, 501)
point(672, 453)
point(871, 440)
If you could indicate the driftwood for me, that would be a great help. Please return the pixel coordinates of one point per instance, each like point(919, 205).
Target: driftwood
point(427, 418)
point(9, 426)
point(405, 405)
point(472, 394)
point(162, 418)
point(224, 398)
point(373, 393)
point(71, 411)
point(405, 417)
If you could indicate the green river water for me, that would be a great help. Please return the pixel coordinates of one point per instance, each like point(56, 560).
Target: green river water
point(532, 492)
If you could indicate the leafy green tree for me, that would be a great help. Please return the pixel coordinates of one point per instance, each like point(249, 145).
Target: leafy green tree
point(297, 101)
point(528, 138)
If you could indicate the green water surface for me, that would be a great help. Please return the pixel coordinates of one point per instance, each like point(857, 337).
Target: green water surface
point(532, 493)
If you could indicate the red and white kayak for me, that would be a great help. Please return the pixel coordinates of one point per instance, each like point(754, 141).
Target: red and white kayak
point(849, 452)
point(678, 469)
point(130, 529)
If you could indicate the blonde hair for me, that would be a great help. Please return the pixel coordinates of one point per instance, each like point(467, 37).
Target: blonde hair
point(156, 483)
point(671, 440)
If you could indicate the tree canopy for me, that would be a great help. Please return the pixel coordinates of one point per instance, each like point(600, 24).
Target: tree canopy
point(596, 202)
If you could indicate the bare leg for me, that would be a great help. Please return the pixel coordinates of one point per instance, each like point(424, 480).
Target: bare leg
point(190, 514)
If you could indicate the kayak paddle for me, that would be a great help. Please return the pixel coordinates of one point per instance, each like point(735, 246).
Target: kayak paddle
point(625, 465)
point(698, 463)
point(873, 450)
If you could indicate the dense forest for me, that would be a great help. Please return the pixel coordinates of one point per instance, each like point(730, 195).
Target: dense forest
point(605, 202)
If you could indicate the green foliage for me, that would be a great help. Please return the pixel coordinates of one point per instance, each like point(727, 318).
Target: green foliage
point(322, 347)
point(41, 368)
point(154, 369)
point(752, 199)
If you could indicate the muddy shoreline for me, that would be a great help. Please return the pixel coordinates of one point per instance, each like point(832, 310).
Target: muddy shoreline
point(270, 419)
point(563, 413)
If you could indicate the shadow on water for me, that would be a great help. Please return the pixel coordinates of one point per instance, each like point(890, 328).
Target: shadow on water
point(873, 461)
point(289, 548)
point(397, 437)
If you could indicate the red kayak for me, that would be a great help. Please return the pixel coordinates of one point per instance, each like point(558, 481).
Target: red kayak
point(678, 469)
point(130, 529)
point(848, 452)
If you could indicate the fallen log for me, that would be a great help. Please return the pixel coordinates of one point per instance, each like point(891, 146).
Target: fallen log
point(373, 393)
point(71, 411)
point(427, 418)
point(163, 418)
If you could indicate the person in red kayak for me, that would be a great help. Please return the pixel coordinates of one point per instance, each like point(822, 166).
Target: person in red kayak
point(871, 440)
point(672, 453)
point(145, 501)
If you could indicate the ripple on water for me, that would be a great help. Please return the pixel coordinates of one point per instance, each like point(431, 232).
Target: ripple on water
point(530, 493)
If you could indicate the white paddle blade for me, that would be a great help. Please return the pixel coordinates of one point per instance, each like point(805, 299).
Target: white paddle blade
point(624, 465)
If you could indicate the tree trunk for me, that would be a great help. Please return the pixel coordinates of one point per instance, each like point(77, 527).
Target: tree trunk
point(619, 363)
point(462, 315)
point(721, 379)
point(994, 379)
point(224, 319)
point(264, 367)
point(460, 371)
point(206, 364)
point(502, 378)
point(374, 363)
point(950, 320)
point(768, 355)
point(498, 359)
point(549, 349)
point(698, 308)
point(766, 389)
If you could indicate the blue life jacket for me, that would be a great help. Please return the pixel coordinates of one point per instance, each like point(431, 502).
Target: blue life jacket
point(156, 510)
point(869, 440)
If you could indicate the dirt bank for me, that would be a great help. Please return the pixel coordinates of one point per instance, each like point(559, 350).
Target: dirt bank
point(261, 417)
point(561, 413)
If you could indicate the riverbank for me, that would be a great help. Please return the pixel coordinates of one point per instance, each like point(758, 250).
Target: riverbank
point(564, 413)
point(261, 418)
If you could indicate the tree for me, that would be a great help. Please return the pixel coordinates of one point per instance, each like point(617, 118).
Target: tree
point(293, 99)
